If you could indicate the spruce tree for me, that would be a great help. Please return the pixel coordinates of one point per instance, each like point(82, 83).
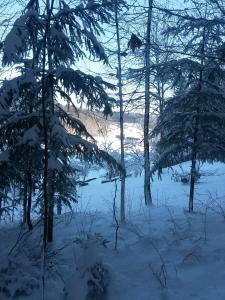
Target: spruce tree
point(45, 43)
point(192, 125)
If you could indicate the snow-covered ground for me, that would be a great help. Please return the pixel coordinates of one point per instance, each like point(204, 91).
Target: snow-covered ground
point(163, 252)
point(165, 191)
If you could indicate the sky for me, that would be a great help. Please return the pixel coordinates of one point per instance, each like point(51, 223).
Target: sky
point(14, 9)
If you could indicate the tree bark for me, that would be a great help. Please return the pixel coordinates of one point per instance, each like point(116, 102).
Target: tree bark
point(147, 187)
point(29, 201)
point(122, 153)
point(1, 202)
point(50, 208)
point(45, 126)
point(25, 202)
point(196, 130)
point(50, 93)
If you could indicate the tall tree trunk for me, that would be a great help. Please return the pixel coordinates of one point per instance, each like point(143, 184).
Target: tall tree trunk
point(50, 207)
point(45, 125)
point(50, 93)
point(192, 182)
point(1, 203)
point(147, 187)
point(122, 154)
point(29, 200)
point(45, 131)
point(25, 202)
point(196, 130)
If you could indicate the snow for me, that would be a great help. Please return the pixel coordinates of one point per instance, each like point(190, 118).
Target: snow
point(163, 252)
point(31, 136)
point(59, 132)
point(111, 139)
point(165, 192)
point(15, 40)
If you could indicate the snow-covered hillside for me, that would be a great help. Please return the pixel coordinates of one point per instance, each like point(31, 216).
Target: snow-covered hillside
point(111, 140)
point(163, 252)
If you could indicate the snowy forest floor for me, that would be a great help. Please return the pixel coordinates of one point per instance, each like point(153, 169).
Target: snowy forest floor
point(163, 252)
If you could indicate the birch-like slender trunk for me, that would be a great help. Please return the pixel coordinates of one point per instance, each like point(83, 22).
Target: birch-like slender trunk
point(147, 187)
point(122, 154)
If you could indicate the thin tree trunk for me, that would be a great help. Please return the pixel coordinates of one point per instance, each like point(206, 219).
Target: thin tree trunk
point(1, 203)
point(50, 209)
point(122, 154)
point(196, 130)
point(25, 203)
point(192, 182)
point(50, 93)
point(29, 200)
point(45, 129)
point(13, 201)
point(50, 223)
point(147, 187)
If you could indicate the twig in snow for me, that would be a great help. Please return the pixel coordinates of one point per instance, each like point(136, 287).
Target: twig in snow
point(176, 226)
point(205, 222)
point(160, 275)
point(190, 255)
point(21, 236)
